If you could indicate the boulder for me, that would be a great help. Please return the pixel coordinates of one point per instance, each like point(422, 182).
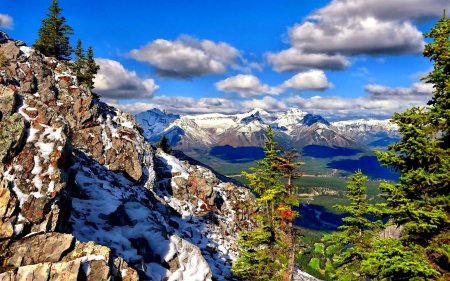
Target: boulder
point(9, 49)
point(40, 248)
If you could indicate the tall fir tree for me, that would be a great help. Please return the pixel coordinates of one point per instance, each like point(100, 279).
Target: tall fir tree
point(53, 36)
point(420, 202)
point(358, 232)
point(91, 68)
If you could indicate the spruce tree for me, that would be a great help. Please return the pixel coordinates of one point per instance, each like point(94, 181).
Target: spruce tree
point(91, 69)
point(53, 36)
point(79, 65)
point(420, 202)
point(358, 233)
point(163, 144)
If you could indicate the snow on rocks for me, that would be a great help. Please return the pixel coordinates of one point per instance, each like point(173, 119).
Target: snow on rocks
point(212, 212)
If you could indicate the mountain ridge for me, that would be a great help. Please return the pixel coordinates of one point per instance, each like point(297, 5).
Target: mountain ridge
point(245, 129)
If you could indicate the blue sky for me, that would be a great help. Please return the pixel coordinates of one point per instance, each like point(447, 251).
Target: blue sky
point(343, 59)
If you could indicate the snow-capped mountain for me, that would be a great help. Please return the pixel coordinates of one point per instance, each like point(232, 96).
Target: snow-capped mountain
point(294, 128)
point(373, 133)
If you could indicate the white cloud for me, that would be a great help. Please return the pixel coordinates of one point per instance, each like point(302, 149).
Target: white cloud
point(355, 27)
point(417, 92)
point(6, 21)
point(266, 103)
point(356, 35)
point(113, 81)
point(381, 102)
point(315, 80)
point(386, 9)
point(188, 57)
point(246, 85)
point(182, 105)
point(294, 59)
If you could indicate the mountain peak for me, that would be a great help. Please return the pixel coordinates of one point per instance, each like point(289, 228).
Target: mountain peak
point(291, 117)
point(310, 119)
point(294, 111)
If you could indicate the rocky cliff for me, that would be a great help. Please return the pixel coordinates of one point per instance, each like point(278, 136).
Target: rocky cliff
point(84, 197)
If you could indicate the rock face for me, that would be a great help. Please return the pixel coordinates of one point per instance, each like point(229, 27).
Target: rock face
point(84, 197)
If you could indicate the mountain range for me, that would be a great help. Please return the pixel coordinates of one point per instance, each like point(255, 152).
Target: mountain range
point(293, 128)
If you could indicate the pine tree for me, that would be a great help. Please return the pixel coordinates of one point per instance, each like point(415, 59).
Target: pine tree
point(358, 232)
point(79, 65)
point(163, 144)
point(53, 40)
point(91, 68)
point(266, 253)
point(420, 202)
point(288, 166)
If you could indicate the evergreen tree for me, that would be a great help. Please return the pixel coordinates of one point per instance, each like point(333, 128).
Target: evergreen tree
point(53, 40)
point(288, 166)
point(79, 65)
point(91, 68)
point(420, 202)
point(358, 232)
point(266, 253)
point(163, 144)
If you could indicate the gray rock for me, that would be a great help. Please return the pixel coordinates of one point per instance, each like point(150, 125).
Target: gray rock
point(12, 130)
point(7, 102)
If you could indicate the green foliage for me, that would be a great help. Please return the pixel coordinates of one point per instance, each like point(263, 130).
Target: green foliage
point(420, 202)
point(79, 64)
point(256, 260)
point(393, 260)
point(53, 37)
point(91, 68)
point(163, 144)
point(358, 232)
point(84, 67)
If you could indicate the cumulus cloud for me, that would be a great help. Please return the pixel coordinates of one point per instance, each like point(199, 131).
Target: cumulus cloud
point(356, 35)
point(6, 21)
point(417, 92)
point(310, 80)
point(249, 85)
point(246, 85)
point(355, 27)
point(294, 59)
point(187, 57)
point(113, 81)
point(386, 9)
point(182, 105)
point(266, 103)
point(381, 101)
